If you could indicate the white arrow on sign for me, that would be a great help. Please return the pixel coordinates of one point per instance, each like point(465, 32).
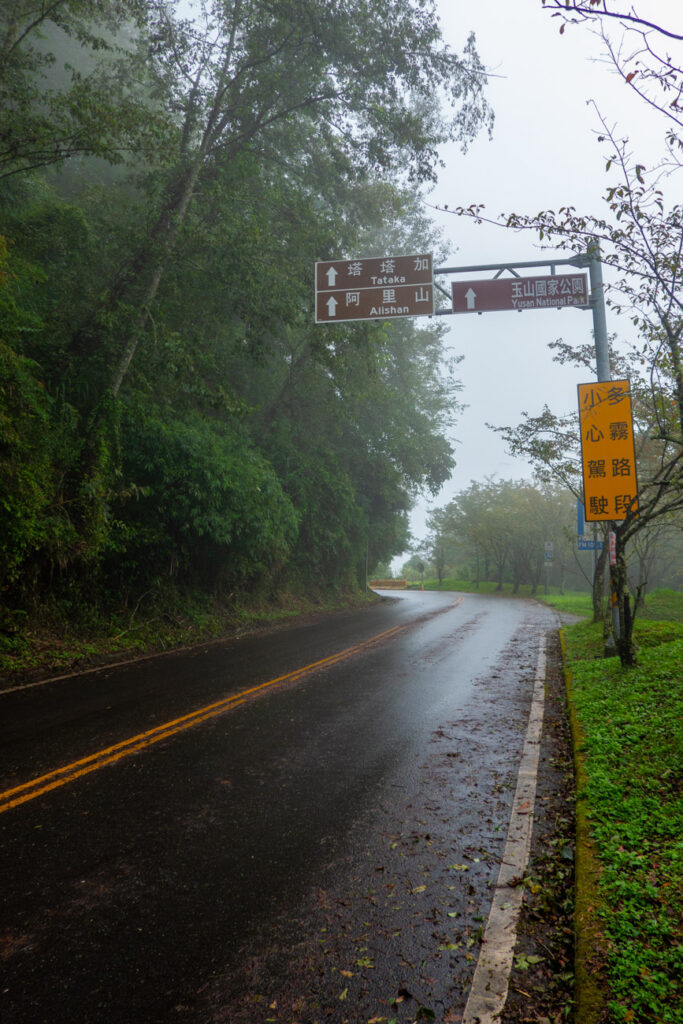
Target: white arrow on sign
point(471, 296)
point(332, 306)
point(331, 277)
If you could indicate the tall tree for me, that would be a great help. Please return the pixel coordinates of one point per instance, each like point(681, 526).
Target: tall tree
point(363, 77)
point(211, 434)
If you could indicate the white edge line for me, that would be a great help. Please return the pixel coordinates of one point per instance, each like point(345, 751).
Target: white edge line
point(489, 989)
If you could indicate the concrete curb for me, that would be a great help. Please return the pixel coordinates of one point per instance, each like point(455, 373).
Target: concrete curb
point(488, 993)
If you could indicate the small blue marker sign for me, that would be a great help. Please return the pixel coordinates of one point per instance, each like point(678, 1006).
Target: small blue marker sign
point(589, 545)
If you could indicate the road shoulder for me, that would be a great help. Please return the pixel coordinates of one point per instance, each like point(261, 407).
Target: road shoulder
point(541, 987)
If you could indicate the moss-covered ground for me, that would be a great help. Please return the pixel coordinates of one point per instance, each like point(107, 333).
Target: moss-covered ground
point(628, 728)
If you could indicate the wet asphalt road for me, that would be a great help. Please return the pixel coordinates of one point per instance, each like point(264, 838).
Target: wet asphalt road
point(323, 850)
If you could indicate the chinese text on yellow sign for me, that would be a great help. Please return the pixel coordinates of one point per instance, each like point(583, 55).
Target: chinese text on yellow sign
point(608, 451)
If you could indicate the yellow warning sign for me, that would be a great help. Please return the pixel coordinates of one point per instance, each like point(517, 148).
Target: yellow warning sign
point(608, 450)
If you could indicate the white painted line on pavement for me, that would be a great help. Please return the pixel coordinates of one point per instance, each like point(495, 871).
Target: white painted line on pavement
point(492, 974)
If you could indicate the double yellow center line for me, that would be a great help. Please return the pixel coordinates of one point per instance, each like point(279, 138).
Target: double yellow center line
point(76, 769)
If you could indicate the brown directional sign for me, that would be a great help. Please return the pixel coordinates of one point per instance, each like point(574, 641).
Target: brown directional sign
point(608, 452)
point(553, 291)
point(374, 289)
point(374, 303)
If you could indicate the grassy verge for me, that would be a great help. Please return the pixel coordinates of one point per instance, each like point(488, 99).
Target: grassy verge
point(630, 726)
point(663, 605)
point(54, 643)
point(565, 602)
point(660, 605)
point(574, 604)
point(485, 586)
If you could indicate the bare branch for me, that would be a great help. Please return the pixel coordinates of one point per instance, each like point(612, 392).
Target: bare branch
point(586, 11)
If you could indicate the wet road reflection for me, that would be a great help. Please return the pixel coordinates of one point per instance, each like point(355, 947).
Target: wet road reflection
point(254, 856)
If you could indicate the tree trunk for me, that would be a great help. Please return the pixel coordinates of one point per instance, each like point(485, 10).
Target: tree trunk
point(625, 646)
point(269, 412)
point(598, 584)
point(164, 234)
point(149, 265)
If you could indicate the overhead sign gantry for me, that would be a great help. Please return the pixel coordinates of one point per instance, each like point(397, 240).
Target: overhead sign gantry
point(399, 286)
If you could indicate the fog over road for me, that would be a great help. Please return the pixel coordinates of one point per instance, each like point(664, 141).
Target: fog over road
point(301, 825)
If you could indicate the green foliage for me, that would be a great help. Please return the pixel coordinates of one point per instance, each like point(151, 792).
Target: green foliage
point(573, 604)
point(652, 634)
point(499, 529)
point(586, 640)
point(173, 420)
point(24, 461)
point(205, 504)
point(34, 441)
point(69, 638)
point(663, 605)
point(70, 84)
point(633, 739)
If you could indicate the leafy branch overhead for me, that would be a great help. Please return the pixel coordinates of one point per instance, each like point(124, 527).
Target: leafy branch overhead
point(365, 78)
point(639, 238)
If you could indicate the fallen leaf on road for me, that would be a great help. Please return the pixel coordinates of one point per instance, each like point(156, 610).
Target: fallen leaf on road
point(403, 993)
point(527, 960)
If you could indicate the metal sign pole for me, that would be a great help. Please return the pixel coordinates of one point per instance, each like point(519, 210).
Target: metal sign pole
point(599, 317)
point(604, 374)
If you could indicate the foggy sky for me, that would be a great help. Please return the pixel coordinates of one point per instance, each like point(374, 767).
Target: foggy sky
point(544, 154)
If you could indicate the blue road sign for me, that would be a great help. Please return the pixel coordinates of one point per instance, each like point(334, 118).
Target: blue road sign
point(589, 545)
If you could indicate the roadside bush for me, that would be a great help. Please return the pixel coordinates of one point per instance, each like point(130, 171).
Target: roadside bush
point(200, 505)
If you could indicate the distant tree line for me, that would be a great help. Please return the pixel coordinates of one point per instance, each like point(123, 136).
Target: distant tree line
point(520, 533)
